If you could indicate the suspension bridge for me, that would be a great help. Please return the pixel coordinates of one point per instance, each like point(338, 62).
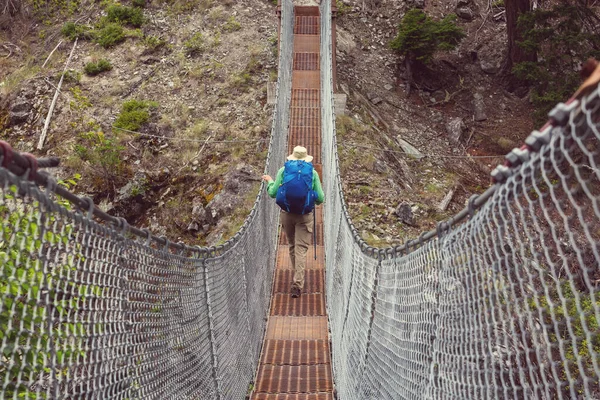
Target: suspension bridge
point(501, 301)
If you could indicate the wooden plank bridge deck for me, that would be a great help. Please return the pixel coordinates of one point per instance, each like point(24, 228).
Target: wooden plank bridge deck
point(295, 363)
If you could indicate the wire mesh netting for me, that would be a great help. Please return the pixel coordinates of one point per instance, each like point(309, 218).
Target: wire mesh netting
point(505, 305)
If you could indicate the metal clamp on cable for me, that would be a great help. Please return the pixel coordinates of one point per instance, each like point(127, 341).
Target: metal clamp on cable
point(471, 205)
point(148, 235)
point(122, 225)
point(537, 139)
point(441, 229)
point(90, 207)
point(501, 173)
point(422, 239)
point(517, 157)
point(560, 114)
point(167, 243)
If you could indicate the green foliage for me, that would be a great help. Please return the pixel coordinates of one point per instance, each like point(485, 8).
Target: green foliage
point(134, 114)
point(71, 76)
point(194, 45)
point(110, 35)
point(582, 320)
point(139, 3)
point(101, 151)
point(419, 37)
point(232, 25)
point(76, 31)
point(154, 43)
point(27, 285)
point(96, 67)
point(133, 16)
point(342, 8)
point(563, 37)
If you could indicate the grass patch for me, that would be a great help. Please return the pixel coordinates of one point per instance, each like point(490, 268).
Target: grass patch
point(110, 35)
point(134, 114)
point(139, 3)
point(97, 67)
point(133, 16)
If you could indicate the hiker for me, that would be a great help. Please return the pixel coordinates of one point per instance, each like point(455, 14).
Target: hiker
point(297, 189)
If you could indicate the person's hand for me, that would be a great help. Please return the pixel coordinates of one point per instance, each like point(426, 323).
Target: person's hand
point(267, 178)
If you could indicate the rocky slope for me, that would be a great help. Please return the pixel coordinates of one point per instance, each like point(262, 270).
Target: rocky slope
point(201, 70)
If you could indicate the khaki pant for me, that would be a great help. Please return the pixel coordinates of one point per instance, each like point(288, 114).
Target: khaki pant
point(298, 229)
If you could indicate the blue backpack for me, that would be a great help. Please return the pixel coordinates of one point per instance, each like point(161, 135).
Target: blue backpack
point(296, 195)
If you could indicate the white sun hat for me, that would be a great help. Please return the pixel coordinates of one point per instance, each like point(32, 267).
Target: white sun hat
point(300, 153)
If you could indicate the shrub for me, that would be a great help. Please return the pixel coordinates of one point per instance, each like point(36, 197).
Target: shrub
point(232, 25)
point(104, 155)
point(133, 16)
point(139, 3)
point(419, 37)
point(76, 31)
point(153, 43)
point(134, 114)
point(95, 68)
point(194, 45)
point(110, 35)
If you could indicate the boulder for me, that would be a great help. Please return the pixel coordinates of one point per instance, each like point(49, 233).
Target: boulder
point(465, 13)
point(479, 107)
point(490, 67)
point(19, 112)
point(456, 129)
point(409, 148)
point(405, 213)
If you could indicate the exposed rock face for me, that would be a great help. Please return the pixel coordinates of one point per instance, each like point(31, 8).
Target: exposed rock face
point(456, 129)
point(405, 213)
point(20, 111)
point(479, 107)
point(238, 183)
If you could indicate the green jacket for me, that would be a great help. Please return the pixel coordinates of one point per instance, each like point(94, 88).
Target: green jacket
point(272, 186)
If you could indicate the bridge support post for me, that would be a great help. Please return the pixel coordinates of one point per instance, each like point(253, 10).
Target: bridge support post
point(211, 327)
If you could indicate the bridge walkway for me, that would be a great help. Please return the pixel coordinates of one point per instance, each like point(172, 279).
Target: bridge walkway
point(295, 362)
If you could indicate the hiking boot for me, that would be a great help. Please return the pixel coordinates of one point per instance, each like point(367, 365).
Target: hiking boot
point(295, 290)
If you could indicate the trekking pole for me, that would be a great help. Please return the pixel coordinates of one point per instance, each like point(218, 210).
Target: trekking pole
point(315, 231)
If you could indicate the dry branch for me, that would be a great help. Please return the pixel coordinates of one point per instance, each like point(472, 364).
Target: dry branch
point(49, 116)
point(52, 52)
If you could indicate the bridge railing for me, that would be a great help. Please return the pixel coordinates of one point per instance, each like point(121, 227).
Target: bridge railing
point(501, 301)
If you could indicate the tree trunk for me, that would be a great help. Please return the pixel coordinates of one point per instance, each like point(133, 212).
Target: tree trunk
point(515, 54)
point(409, 77)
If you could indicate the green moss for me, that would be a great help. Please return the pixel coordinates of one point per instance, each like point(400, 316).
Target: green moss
point(134, 114)
point(97, 67)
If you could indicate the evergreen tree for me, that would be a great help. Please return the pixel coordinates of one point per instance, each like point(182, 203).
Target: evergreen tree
point(419, 37)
